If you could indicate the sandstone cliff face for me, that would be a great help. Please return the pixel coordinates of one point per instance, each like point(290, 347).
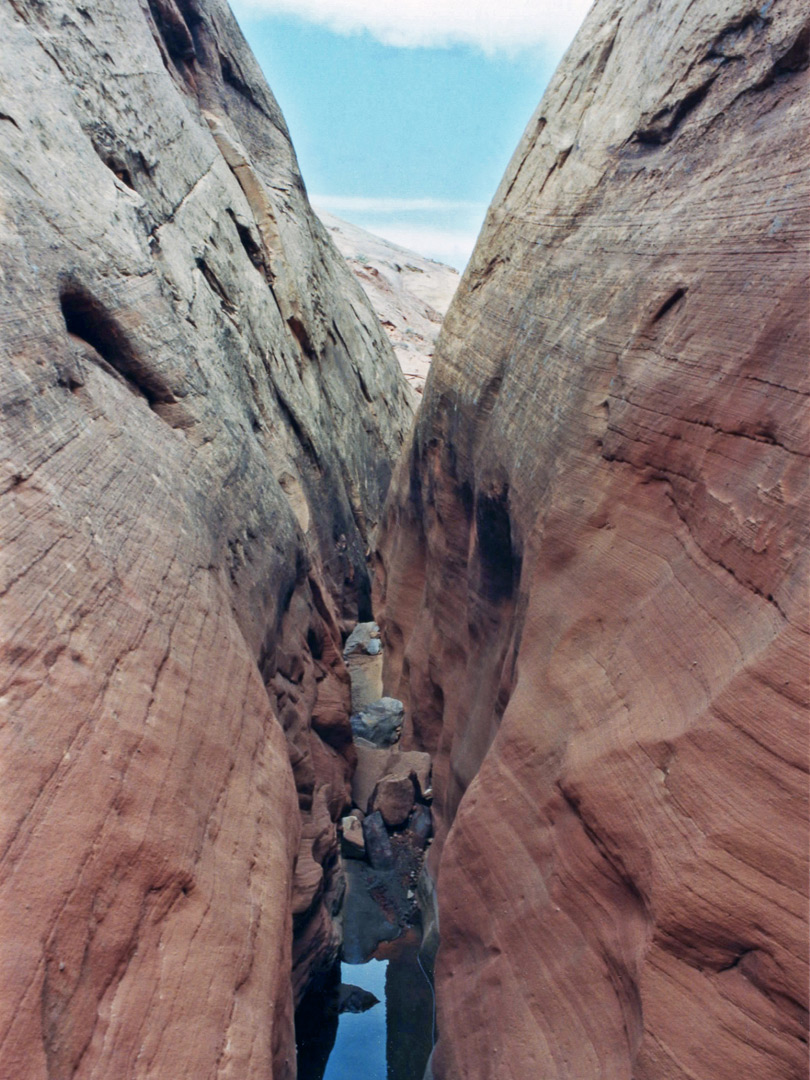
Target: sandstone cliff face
point(200, 412)
point(410, 294)
point(593, 577)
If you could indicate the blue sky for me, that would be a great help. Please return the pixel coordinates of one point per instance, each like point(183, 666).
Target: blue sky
point(404, 113)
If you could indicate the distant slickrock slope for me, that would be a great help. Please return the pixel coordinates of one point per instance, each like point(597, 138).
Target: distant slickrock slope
point(593, 575)
point(200, 413)
point(409, 293)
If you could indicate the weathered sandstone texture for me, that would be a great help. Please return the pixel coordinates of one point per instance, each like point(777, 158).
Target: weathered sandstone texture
point(199, 415)
point(594, 574)
point(409, 293)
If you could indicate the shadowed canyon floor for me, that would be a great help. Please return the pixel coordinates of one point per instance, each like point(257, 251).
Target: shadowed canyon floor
point(389, 1036)
point(590, 567)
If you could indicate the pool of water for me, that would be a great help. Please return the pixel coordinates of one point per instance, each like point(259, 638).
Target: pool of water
point(391, 1040)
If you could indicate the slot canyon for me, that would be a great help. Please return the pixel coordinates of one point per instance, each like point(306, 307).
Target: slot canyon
point(271, 633)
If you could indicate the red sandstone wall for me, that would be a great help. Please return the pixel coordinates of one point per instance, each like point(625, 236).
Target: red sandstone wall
point(199, 415)
point(593, 582)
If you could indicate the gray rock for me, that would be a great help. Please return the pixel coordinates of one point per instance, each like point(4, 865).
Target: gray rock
point(365, 672)
point(378, 846)
point(381, 722)
point(359, 640)
point(421, 825)
point(363, 655)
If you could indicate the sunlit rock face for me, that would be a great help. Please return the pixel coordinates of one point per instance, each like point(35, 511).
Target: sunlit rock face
point(593, 575)
point(200, 412)
point(409, 293)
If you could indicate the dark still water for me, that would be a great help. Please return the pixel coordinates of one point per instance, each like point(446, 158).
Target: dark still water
point(389, 1040)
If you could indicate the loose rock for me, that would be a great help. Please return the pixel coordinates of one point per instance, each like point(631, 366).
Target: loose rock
point(380, 722)
point(393, 797)
point(361, 639)
point(412, 763)
point(354, 999)
point(372, 766)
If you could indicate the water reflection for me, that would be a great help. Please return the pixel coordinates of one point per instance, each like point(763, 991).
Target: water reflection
point(409, 1009)
point(391, 1040)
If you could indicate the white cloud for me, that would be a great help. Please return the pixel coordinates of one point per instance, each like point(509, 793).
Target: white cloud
point(361, 204)
point(491, 25)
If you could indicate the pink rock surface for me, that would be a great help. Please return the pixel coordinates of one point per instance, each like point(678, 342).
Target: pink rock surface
point(394, 798)
point(593, 581)
point(190, 473)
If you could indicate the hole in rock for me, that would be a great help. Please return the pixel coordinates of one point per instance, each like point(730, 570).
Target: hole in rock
point(499, 563)
point(233, 76)
point(315, 643)
point(251, 248)
point(121, 171)
point(797, 58)
point(86, 318)
point(301, 335)
point(666, 122)
point(216, 287)
point(669, 304)
point(173, 29)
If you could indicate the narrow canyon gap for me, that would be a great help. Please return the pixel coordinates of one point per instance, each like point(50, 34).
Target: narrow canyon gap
point(593, 573)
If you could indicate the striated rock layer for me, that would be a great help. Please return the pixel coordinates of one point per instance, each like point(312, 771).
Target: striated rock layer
point(199, 415)
point(409, 293)
point(594, 572)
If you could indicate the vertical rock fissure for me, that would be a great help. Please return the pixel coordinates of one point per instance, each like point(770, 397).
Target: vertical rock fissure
point(385, 830)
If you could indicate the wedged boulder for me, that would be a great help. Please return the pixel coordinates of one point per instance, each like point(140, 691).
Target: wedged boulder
point(372, 765)
point(365, 672)
point(378, 845)
point(365, 638)
point(393, 798)
point(379, 723)
point(413, 763)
